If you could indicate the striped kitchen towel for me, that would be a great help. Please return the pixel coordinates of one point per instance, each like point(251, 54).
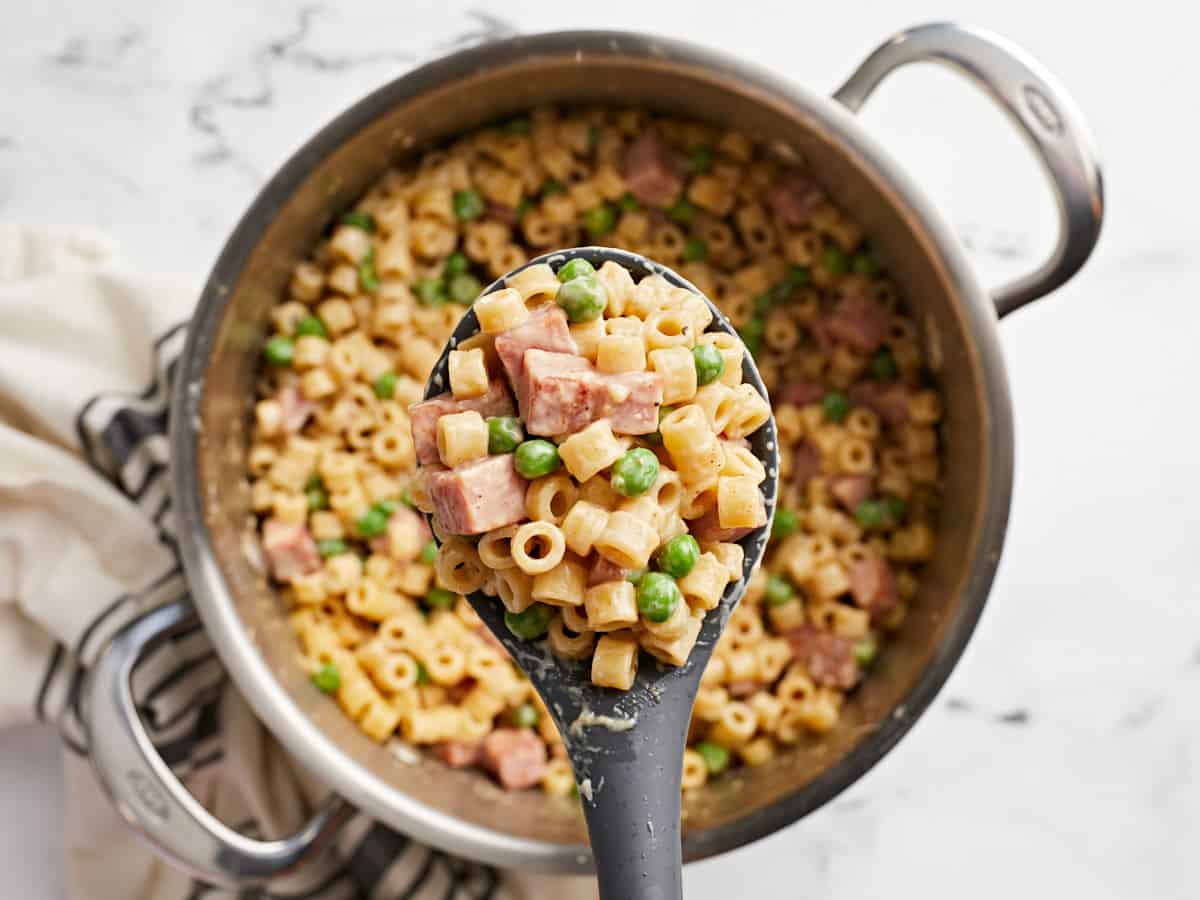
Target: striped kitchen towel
point(87, 357)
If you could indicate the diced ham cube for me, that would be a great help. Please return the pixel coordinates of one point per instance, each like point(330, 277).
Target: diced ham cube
point(651, 170)
point(603, 570)
point(806, 463)
point(707, 529)
point(891, 402)
point(859, 321)
point(562, 394)
point(407, 533)
point(800, 393)
point(290, 549)
point(829, 658)
point(873, 585)
point(458, 754)
point(545, 329)
point(424, 415)
point(743, 688)
point(851, 490)
point(499, 212)
point(296, 408)
point(517, 757)
point(478, 496)
point(793, 198)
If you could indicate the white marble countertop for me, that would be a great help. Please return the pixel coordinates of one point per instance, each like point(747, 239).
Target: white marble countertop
point(1063, 758)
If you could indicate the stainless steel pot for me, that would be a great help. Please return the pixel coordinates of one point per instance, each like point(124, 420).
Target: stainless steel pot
point(457, 810)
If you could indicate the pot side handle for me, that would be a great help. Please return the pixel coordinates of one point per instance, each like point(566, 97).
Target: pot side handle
point(1041, 109)
point(148, 795)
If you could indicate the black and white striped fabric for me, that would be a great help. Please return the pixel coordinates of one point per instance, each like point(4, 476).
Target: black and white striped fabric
point(87, 545)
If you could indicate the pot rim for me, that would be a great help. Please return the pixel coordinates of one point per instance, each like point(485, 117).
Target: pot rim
point(249, 670)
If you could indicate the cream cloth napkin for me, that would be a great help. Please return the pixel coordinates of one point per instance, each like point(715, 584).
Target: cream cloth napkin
point(87, 353)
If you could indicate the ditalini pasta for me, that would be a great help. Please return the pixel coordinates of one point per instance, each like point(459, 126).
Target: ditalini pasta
point(622, 555)
point(359, 325)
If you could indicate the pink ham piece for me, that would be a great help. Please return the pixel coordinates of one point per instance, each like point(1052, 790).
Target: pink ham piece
point(707, 529)
point(858, 321)
point(424, 415)
point(517, 757)
point(500, 213)
point(545, 329)
point(295, 407)
point(806, 463)
point(478, 496)
point(793, 198)
point(603, 570)
point(744, 688)
point(651, 170)
point(458, 754)
point(290, 550)
point(800, 393)
point(401, 520)
point(562, 394)
point(873, 585)
point(851, 490)
point(828, 657)
point(890, 402)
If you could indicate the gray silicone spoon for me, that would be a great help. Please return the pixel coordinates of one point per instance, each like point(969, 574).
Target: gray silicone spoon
point(626, 747)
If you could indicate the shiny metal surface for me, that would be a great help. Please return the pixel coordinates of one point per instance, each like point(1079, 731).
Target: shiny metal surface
point(460, 811)
point(148, 795)
point(1045, 114)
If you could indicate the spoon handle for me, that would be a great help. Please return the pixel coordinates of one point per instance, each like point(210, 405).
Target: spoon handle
point(634, 779)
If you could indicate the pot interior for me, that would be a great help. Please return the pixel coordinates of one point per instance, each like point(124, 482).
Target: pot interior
point(448, 97)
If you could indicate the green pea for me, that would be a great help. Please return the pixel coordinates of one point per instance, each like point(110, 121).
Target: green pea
point(682, 212)
point(366, 272)
point(504, 434)
point(372, 523)
point(634, 472)
point(385, 386)
point(573, 268)
point(763, 302)
point(694, 250)
point(835, 260)
point(895, 508)
point(866, 650)
point(786, 523)
point(536, 458)
point(629, 203)
point(797, 276)
point(530, 624)
point(515, 127)
point(779, 591)
point(599, 220)
point(314, 481)
point(679, 556)
point(523, 207)
point(525, 716)
point(359, 219)
point(423, 674)
point(836, 406)
point(406, 497)
point(332, 547)
point(883, 365)
point(429, 553)
point(388, 506)
point(716, 757)
point(328, 679)
point(593, 136)
point(280, 351)
point(430, 291)
point(864, 263)
point(552, 186)
point(311, 326)
point(870, 514)
point(464, 289)
point(634, 576)
point(456, 264)
point(752, 334)
point(710, 364)
point(658, 596)
point(468, 205)
point(583, 298)
point(701, 158)
point(440, 598)
point(318, 498)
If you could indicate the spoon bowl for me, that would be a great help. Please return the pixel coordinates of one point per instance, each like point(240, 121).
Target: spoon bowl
point(626, 747)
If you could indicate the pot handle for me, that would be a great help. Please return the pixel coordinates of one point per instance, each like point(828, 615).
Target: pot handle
point(149, 796)
point(1043, 111)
